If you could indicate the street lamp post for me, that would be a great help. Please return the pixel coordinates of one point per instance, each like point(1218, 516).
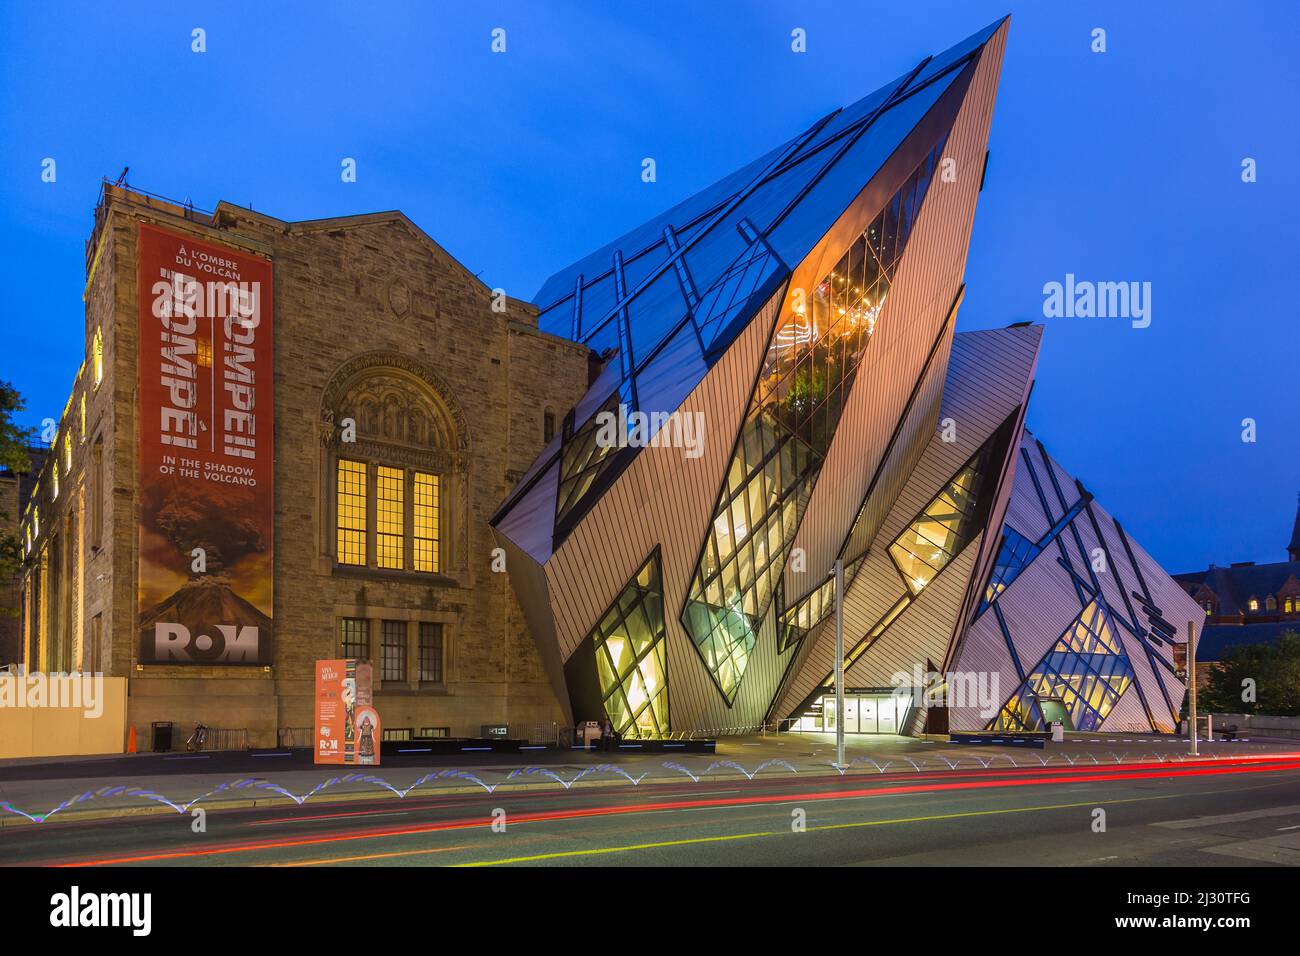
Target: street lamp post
point(839, 662)
point(1191, 682)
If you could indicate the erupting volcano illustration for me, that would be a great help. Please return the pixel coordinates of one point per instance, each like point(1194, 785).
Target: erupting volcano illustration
point(223, 524)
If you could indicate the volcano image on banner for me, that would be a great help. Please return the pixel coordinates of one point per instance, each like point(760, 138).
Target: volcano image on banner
point(206, 452)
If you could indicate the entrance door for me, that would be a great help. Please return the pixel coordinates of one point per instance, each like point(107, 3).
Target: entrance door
point(850, 715)
point(1054, 710)
point(887, 716)
point(867, 714)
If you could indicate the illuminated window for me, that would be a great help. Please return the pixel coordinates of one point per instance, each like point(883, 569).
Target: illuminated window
point(97, 495)
point(97, 356)
point(392, 650)
point(351, 512)
point(54, 489)
point(934, 538)
point(404, 442)
point(1086, 672)
point(631, 657)
point(354, 638)
point(800, 618)
point(583, 458)
point(1288, 605)
point(83, 416)
point(1013, 557)
point(67, 452)
point(202, 351)
point(430, 653)
point(1253, 604)
point(424, 500)
point(390, 514)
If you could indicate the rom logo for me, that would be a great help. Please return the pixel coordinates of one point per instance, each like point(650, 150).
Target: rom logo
point(229, 643)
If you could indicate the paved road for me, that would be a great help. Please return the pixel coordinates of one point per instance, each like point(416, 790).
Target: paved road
point(62, 788)
point(1187, 815)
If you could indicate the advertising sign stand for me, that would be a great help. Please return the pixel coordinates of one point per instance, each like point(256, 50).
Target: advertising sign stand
point(347, 730)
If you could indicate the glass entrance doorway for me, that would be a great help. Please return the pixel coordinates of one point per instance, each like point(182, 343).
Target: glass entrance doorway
point(864, 713)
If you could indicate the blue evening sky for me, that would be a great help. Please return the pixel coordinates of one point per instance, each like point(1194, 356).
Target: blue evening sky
point(1117, 166)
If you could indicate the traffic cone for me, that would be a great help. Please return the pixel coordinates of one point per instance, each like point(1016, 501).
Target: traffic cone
point(130, 740)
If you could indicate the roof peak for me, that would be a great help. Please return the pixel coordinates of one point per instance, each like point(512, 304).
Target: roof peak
point(1293, 549)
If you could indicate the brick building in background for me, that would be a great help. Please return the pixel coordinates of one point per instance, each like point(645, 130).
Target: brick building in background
point(408, 400)
point(1245, 602)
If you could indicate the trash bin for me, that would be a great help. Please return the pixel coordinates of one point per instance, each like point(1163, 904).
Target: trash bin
point(162, 736)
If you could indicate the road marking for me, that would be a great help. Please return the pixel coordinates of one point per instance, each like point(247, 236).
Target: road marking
point(597, 851)
point(280, 821)
point(1229, 818)
point(368, 856)
point(1283, 850)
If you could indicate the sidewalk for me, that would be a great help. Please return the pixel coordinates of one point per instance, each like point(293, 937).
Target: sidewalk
point(30, 795)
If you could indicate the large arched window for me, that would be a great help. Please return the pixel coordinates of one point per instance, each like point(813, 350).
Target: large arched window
point(394, 468)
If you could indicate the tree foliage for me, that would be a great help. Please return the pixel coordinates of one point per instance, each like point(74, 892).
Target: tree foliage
point(13, 457)
point(1274, 670)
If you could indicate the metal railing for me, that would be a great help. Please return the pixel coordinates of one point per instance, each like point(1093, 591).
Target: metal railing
point(712, 733)
point(541, 735)
point(215, 738)
point(295, 737)
point(226, 738)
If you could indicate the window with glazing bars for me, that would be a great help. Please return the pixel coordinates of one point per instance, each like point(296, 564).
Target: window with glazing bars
point(354, 637)
point(425, 495)
point(939, 532)
point(351, 512)
point(393, 650)
point(390, 517)
point(430, 653)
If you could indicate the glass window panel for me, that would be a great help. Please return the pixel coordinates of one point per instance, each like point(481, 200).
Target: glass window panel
point(390, 514)
point(629, 654)
point(425, 504)
point(430, 652)
point(393, 650)
point(354, 638)
point(350, 512)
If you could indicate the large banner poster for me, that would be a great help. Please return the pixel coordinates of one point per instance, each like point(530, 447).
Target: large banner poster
point(347, 724)
point(206, 460)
